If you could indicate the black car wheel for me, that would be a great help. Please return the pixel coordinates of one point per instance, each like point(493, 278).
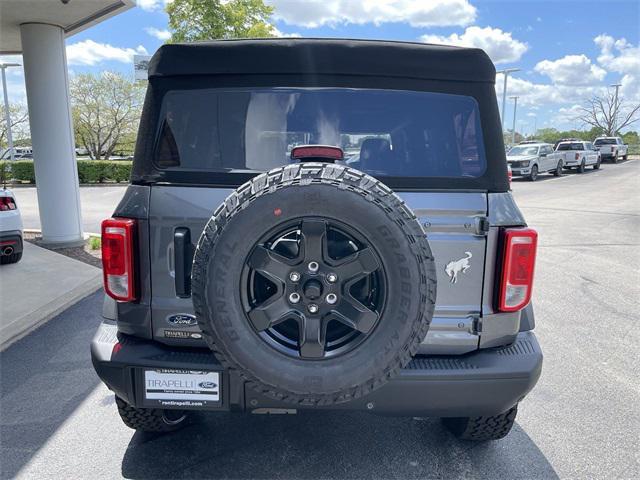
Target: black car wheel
point(483, 428)
point(582, 166)
point(559, 167)
point(155, 420)
point(315, 283)
point(533, 176)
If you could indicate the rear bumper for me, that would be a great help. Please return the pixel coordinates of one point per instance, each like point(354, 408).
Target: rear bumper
point(480, 383)
point(11, 239)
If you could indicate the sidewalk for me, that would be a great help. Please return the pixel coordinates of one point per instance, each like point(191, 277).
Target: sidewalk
point(37, 288)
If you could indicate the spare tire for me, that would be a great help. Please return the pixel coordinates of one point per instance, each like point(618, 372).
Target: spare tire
point(314, 282)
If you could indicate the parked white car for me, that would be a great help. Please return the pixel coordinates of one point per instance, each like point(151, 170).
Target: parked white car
point(611, 148)
point(530, 159)
point(10, 228)
point(579, 155)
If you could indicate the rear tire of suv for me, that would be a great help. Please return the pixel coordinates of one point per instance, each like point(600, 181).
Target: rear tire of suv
point(482, 428)
point(350, 284)
point(597, 165)
point(151, 419)
point(582, 166)
point(13, 258)
point(615, 157)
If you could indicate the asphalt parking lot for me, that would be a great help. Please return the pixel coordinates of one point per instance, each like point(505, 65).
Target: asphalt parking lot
point(581, 421)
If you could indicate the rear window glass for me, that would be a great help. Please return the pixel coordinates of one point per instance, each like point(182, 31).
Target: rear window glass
point(605, 141)
point(570, 146)
point(383, 132)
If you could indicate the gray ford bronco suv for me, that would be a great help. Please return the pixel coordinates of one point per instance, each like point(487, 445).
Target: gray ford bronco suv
point(319, 224)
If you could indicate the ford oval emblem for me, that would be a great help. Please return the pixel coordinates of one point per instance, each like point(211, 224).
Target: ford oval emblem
point(182, 319)
point(207, 385)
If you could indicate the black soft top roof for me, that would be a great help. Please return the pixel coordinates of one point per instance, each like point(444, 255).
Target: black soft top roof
point(323, 56)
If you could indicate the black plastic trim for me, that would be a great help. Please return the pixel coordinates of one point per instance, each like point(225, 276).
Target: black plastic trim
point(481, 383)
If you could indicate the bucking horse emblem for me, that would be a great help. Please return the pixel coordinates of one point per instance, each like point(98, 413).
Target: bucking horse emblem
point(455, 267)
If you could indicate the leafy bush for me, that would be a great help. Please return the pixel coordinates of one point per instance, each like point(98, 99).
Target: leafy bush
point(5, 171)
point(120, 171)
point(89, 171)
point(23, 170)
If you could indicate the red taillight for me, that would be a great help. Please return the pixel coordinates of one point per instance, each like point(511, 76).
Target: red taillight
point(317, 151)
point(510, 175)
point(7, 203)
point(577, 156)
point(117, 258)
point(517, 268)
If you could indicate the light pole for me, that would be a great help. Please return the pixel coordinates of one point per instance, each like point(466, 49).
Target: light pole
point(7, 116)
point(506, 73)
point(615, 107)
point(513, 132)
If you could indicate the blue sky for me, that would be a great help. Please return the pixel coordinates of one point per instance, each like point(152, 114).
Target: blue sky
point(567, 50)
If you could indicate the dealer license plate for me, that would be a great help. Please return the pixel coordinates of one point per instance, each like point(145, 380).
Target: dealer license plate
point(182, 388)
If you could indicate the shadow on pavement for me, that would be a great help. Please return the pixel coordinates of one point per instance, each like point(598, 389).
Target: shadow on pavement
point(45, 376)
point(316, 445)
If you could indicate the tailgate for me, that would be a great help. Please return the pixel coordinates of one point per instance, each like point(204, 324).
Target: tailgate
point(455, 223)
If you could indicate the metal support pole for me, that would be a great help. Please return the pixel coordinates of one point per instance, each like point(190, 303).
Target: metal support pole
point(7, 114)
point(506, 73)
point(615, 108)
point(513, 131)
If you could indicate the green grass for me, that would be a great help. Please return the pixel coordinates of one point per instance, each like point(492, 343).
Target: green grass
point(95, 243)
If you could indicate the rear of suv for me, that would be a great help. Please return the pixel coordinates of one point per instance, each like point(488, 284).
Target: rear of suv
point(319, 224)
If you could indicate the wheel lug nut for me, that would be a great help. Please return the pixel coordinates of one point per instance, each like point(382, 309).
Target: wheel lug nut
point(294, 276)
point(313, 308)
point(294, 297)
point(331, 298)
point(313, 267)
point(332, 278)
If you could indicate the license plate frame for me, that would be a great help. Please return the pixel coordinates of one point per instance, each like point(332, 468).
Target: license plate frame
point(179, 388)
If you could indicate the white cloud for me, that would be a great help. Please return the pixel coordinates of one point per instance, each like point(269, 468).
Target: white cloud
point(88, 52)
point(152, 5)
point(159, 34)
point(618, 55)
point(621, 57)
point(499, 45)
point(571, 70)
point(281, 34)
point(535, 95)
point(418, 13)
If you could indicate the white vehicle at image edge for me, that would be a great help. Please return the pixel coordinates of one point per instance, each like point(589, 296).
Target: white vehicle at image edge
point(611, 148)
point(579, 155)
point(530, 159)
point(10, 229)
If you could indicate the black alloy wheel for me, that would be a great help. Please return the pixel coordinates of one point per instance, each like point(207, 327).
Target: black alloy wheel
point(314, 288)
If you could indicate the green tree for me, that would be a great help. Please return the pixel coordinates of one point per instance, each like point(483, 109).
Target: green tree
point(193, 20)
point(631, 138)
point(106, 111)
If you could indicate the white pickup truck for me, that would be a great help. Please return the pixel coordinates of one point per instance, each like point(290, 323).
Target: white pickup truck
point(579, 155)
point(611, 148)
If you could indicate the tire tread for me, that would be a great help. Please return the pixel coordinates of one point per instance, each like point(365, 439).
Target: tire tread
point(341, 178)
